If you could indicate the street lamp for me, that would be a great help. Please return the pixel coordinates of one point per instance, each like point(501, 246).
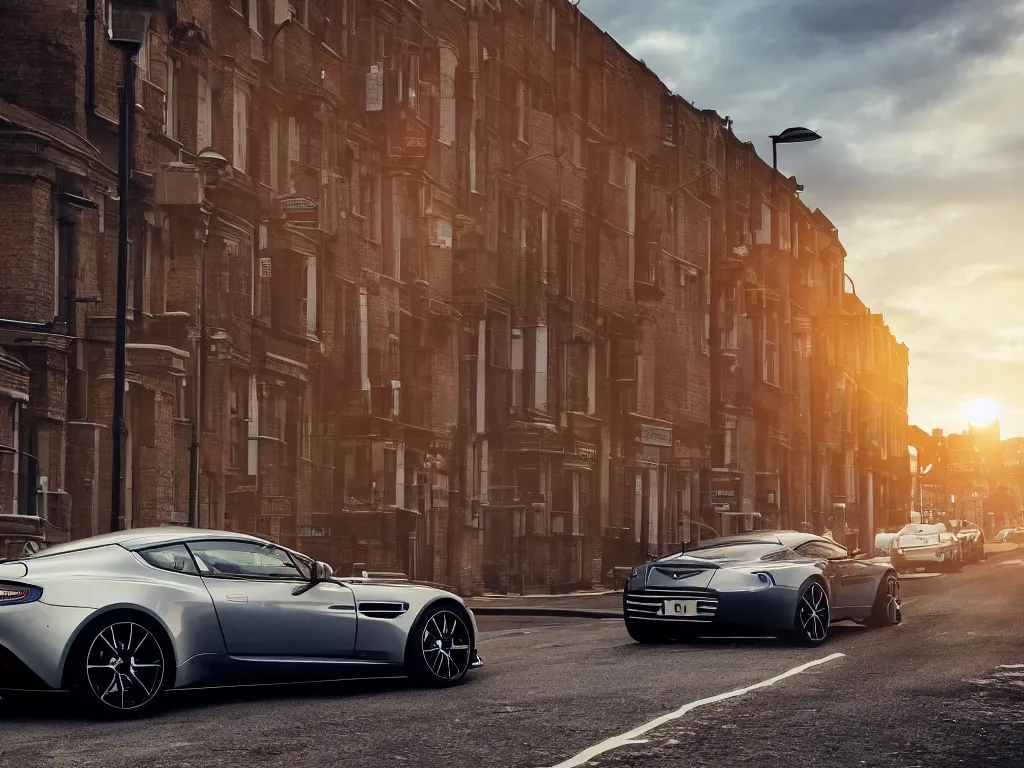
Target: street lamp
point(790, 136)
point(129, 25)
point(212, 163)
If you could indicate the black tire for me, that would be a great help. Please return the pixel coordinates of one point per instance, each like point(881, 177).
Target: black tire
point(647, 633)
point(886, 611)
point(120, 665)
point(440, 647)
point(812, 617)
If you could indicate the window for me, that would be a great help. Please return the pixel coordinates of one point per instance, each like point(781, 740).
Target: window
point(447, 102)
point(204, 115)
point(240, 154)
point(299, 11)
point(245, 560)
point(170, 558)
point(238, 404)
point(252, 12)
point(142, 58)
point(770, 349)
point(274, 138)
point(576, 376)
point(826, 550)
point(668, 119)
point(765, 235)
point(309, 299)
point(523, 112)
point(171, 102)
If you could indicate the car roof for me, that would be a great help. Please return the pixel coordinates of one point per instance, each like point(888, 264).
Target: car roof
point(782, 537)
point(140, 538)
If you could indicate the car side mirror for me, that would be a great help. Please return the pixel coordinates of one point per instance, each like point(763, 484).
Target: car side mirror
point(322, 571)
point(319, 573)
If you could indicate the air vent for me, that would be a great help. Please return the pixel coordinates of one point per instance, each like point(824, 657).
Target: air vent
point(383, 610)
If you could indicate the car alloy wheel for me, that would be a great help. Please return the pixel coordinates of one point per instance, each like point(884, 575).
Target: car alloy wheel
point(124, 666)
point(812, 615)
point(893, 609)
point(445, 645)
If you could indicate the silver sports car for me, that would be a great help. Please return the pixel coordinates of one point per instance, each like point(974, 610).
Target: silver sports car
point(782, 583)
point(121, 618)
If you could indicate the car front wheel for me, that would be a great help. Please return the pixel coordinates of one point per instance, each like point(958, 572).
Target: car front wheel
point(440, 648)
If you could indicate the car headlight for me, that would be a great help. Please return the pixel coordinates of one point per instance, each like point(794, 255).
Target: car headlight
point(899, 551)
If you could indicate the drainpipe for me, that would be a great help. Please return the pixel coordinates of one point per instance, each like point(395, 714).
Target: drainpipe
point(90, 57)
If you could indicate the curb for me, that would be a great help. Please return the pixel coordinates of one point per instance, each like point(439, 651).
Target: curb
point(571, 613)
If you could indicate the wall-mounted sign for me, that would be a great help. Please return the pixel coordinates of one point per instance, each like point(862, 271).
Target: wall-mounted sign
point(299, 209)
point(660, 436)
point(375, 89)
point(723, 494)
point(586, 451)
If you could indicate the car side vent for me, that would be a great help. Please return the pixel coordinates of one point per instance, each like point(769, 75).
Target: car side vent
point(383, 610)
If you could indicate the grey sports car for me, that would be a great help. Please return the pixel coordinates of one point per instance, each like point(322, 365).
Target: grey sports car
point(121, 618)
point(783, 583)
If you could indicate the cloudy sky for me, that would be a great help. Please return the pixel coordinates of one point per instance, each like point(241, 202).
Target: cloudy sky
point(921, 103)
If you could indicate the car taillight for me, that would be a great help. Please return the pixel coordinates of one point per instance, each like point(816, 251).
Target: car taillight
point(17, 594)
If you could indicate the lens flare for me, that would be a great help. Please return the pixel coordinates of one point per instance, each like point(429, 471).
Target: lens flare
point(981, 411)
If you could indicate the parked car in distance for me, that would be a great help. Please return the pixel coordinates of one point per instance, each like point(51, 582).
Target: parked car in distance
point(972, 539)
point(1010, 536)
point(926, 546)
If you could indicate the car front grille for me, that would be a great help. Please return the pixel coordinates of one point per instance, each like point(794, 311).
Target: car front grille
point(646, 604)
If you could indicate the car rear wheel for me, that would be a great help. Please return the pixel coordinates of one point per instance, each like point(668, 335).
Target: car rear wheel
point(121, 665)
point(887, 610)
point(440, 648)
point(810, 627)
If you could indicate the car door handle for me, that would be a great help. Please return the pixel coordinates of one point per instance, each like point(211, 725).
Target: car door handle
point(238, 599)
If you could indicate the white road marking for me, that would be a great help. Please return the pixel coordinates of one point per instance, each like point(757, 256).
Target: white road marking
point(632, 737)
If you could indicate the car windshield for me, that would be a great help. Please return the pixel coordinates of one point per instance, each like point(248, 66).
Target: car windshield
point(739, 551)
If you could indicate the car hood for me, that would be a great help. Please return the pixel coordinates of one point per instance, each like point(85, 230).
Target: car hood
point(355, 582)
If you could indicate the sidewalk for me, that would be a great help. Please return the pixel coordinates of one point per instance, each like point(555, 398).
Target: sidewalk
point(599, 604)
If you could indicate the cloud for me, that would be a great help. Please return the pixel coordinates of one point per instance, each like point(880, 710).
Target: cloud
point(922, 163)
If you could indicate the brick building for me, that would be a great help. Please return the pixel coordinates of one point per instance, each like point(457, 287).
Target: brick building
point(473, 297)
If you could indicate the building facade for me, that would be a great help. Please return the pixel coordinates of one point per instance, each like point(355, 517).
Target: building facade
point(456, 288)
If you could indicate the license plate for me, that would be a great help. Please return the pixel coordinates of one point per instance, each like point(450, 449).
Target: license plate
point(679, 608)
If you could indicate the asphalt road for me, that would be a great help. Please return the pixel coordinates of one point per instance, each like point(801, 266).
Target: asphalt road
point(943, 689)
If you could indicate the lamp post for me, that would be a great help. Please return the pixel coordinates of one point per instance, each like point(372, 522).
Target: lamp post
point(790, 136)
point(212, 164)
point(129, 25)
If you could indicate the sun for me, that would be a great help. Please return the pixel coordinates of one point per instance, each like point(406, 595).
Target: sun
point(981, 411)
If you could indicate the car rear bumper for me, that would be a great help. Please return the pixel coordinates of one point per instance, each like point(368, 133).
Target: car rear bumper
point(15, 674)
point(917, 557)
point(772, 609)
point(38, 635)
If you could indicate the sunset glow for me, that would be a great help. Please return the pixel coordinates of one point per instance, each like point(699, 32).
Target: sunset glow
point(981, 411)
